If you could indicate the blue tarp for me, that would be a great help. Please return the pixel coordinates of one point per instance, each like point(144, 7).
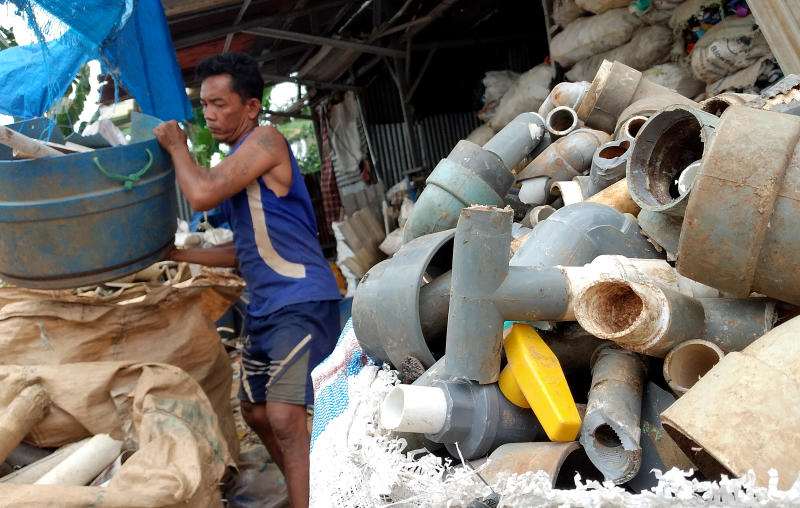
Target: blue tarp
point(131, 40)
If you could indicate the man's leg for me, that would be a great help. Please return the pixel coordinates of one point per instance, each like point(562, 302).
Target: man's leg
point(255, 415)
point(288, 423)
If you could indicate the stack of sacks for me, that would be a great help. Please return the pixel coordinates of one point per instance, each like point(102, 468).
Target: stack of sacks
point(723, 46)
point(636, 35)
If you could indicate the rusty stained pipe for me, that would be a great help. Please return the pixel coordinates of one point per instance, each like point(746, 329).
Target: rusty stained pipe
point(740, 232)
point(561, 462)
point(564, 94)
point(567, 157)
point(648, 318)
point(561, 121)
point(630, 127)
point(719, 103)
point(689, 361)
point(610, 433)
point(614, 88)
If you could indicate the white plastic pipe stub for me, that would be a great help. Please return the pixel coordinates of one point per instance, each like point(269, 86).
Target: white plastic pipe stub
point(411, 408)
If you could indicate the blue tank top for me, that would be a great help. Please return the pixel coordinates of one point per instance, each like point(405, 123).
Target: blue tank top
point(276, 243)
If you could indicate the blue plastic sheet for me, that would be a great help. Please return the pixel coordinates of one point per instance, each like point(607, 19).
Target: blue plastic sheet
point(131, 40)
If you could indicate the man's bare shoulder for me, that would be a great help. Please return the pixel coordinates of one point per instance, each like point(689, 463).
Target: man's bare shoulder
point(270, 140)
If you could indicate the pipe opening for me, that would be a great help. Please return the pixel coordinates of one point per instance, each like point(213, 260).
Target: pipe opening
point(669, 143)
point(561, 120)
point(689, 362)
point(611, 307)
point(392, 409)
point(576, 462)
point(606, 436)
point(612, 152)
point(715, 106)
point(634, 125)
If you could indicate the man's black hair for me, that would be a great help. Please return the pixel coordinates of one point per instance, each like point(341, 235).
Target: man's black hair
point(246, 78)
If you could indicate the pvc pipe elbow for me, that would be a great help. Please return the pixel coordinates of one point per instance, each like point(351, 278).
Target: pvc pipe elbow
point(412, 408)
point(608, 165)
point(564, 94)
point(568, 157)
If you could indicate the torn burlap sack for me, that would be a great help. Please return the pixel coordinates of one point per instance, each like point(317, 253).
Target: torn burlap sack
point(156, 409)
point(167, 324)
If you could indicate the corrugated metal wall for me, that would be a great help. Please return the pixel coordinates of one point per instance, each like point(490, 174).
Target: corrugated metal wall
point(438, 134)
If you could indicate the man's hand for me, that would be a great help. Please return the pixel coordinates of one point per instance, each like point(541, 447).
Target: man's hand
point(170, 136)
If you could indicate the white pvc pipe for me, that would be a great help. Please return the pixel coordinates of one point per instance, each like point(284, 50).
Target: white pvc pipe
point(535, 191)
point(32, 472)
point(411, 408)
point(564, 94)
point(687, 176)
point(561, 121)
point(570, 191)
point(84, 465)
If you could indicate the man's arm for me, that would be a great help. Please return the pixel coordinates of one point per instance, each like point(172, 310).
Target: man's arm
point(220, 255)
point(263, 151)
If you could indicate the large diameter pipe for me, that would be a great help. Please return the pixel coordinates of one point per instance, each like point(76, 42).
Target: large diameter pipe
point(473, 175)
point(666, 145)
point(27, 409)
point(748, 178)
point(649, 318)
point(742, 415)
point(689, 361)
point(614, 88)
point(611, 432)
point(567, 157)
point(87, 462)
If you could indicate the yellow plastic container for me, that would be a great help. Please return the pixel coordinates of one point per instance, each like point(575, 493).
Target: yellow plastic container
point(540, 379)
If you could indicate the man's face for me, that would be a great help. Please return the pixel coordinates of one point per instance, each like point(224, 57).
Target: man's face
point(227, 116)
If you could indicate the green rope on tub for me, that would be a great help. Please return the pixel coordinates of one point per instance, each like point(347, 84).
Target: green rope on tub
point(128, 179)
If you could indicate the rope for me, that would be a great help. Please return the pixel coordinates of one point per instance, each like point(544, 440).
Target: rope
point(128, 179)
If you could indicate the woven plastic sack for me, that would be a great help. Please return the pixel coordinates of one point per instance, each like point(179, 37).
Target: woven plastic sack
point(601, 6)
point(526, 94)
point(157, 410)
point(649, 46)
point(496, 84)
point(166, 324)
point(675, 76)
point(729, 46)
point(592, 35)
point(565, 12)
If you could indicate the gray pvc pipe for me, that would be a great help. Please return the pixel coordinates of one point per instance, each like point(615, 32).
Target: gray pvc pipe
point(610, 433)
point(479, 419)
point(517, 139)
point(576, 234)
point(608, 165)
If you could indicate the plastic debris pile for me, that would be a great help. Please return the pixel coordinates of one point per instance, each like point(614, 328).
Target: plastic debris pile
point(630, 320)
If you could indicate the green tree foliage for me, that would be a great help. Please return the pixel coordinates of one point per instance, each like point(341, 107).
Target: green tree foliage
point(69, 107)
point(7, 39)
point(300, 133)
